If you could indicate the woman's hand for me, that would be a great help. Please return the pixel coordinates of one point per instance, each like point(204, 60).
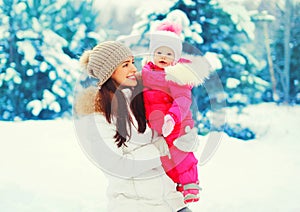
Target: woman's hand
point(188, 142)
point(160, 143)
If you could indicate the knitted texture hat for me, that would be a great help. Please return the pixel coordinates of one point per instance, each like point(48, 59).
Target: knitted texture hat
point(104, 58)
point(167, 34)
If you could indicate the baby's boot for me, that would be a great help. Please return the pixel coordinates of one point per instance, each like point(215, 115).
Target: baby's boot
point(190, 192)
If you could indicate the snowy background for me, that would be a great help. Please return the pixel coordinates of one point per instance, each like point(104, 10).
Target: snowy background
point(42, 167)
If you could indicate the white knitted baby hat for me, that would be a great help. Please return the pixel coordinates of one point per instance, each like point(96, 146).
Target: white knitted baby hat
point(166, 34)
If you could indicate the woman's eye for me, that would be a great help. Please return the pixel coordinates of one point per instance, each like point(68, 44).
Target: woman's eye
point(125, 65)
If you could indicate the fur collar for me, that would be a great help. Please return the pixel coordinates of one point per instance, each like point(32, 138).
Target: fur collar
point(85, 101)
point(193, 71)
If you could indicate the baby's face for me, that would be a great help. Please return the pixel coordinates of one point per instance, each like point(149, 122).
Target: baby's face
point(163, 56)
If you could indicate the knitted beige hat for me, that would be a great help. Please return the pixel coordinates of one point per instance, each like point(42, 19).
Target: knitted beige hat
point(103, 59)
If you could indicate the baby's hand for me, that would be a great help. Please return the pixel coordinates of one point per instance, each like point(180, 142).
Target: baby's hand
point(168, 125)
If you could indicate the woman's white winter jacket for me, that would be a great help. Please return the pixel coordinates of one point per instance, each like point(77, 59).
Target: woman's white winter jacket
point(136, 179)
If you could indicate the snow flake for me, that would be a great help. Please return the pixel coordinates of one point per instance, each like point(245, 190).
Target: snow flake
point(238, 58)
point(19, 7)
point(196, 27)
point(232, 82)
point(189, 2)
point(52, 75)
point(55, 107)
point(239, 98)
point(29, 72)
point(17, 79)
point(35, 106)
point(10, 74)
point(43, 66)
point(197, 37)
point(26, 48)
point(23, 34)
point(56, 88)
point(48, 96)
point(214, 60)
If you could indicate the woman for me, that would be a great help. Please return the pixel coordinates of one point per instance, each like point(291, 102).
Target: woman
point(112, 130)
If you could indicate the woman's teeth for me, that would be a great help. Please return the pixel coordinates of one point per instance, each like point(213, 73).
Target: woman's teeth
point(131, 77)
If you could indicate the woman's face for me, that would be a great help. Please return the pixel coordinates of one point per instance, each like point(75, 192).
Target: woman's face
point(163, 56)
point(125, 73)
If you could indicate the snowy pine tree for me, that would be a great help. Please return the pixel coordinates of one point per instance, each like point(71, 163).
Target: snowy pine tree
point(39, 45)
point(289, 84)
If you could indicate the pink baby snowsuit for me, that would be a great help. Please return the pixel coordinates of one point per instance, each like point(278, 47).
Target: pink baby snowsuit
point(163, 97)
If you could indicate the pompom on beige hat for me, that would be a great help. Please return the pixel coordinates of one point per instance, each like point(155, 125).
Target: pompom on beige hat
point(103, 59)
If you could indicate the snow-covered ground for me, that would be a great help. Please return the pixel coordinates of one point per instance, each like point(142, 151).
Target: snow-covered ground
point(42, 167)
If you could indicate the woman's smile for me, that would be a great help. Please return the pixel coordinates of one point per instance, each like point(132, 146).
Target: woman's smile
point(131, 77)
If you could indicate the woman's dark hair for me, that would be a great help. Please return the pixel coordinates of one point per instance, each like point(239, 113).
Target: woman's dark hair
point(108, 100)
point(137, 106)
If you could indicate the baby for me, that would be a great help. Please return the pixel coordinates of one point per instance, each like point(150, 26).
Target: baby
point(167, 93)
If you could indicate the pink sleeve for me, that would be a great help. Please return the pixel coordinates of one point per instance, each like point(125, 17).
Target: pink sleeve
point(182, 96)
